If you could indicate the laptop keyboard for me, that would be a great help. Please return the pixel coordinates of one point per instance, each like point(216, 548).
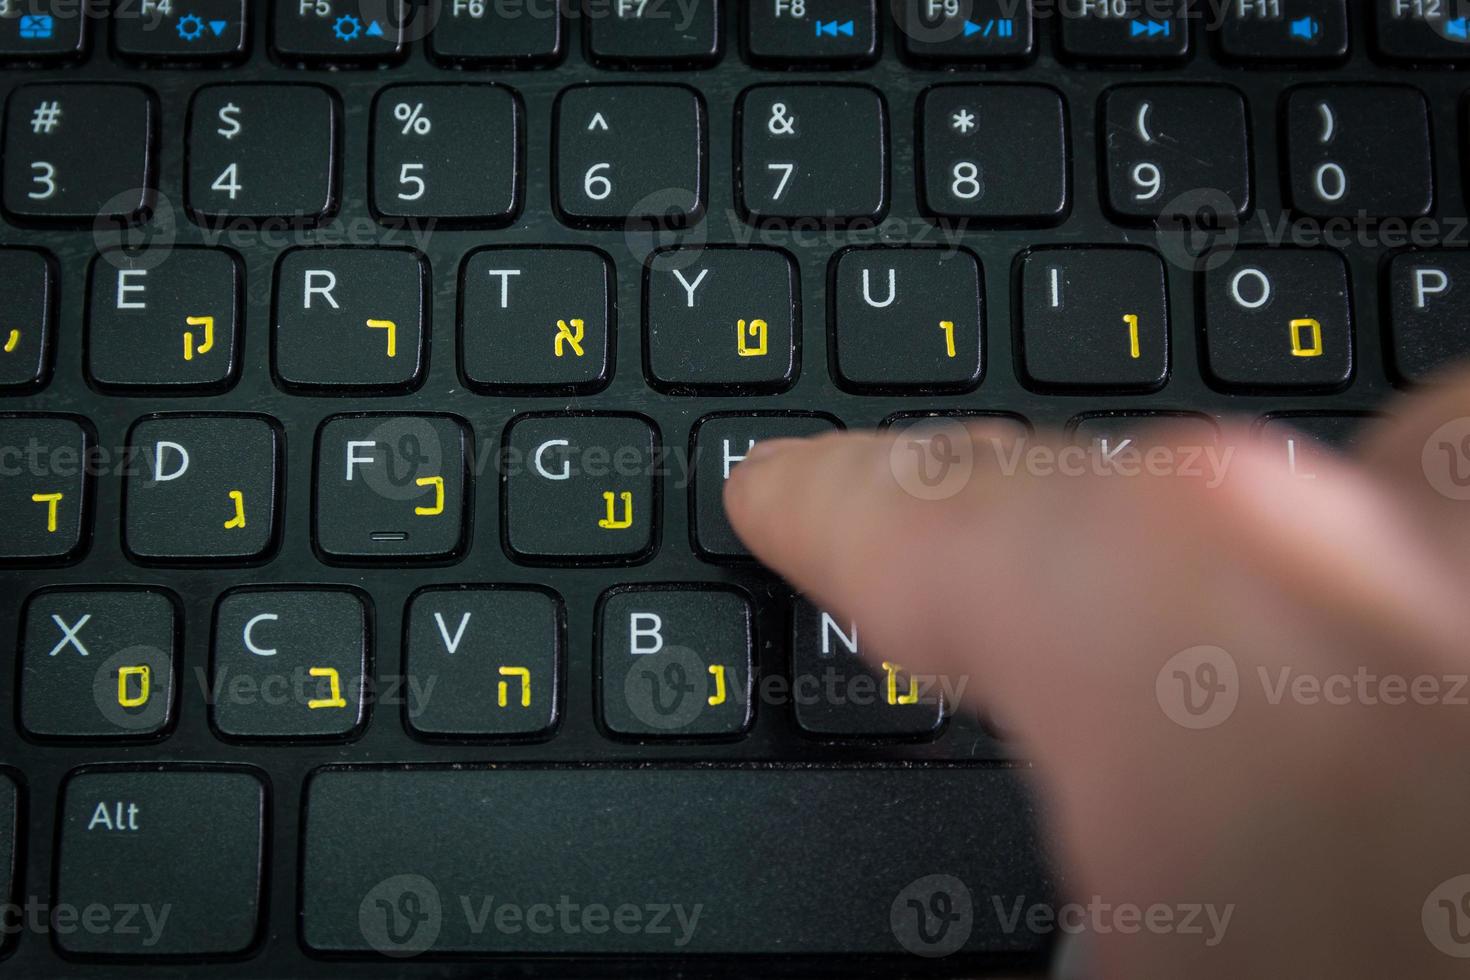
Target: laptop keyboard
point(370, 372)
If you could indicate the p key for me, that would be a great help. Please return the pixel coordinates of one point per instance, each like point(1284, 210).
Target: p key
point(45, 490)
point(391, 487)
point(1359, 150)
point(164, 318)
point(350, 319)
point(1429, 312)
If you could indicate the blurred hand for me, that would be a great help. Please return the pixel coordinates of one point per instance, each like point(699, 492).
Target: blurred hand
point(1327, 816)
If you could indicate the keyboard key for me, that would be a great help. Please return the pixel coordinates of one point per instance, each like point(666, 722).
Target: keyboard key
point(351, 319)
point(1132, 31)
point(1302, 440)
point(720, 443)
point(180, 848)
point(43, 31)
point(644, 34)
point(1278, 319)
point(484, 662)
point(580, 487)
point(450, 152)
point(201, 31)
point(164, 318)
point(676, 662)
point(782, 33)
point(262, 151)
point(45, 492)
point(203, 487)
point(11, 818)
point(1130, 443)
point(342, 32)
point(1094, 318)
point(845, 697)
point(536, 320)
point(290, 664)
point(1289, 31)
point(494, 35)
point(994, 152)
point(813, 151)
point(98, 663)
point(1429, 312)
point(908, 318)
point(1422, 30)
point(52, 167)
point(979, 31)
point(391, 487)
point(722, 319)
point(631, 151)
point(603, 835)
point(28, 283)
point(1170, 149)
point(1337, 137)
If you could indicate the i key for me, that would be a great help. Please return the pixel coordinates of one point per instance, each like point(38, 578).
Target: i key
point(813, 151)
point(53, 169)
point(1429, 312)
point(165, 318)
point(676, 662)
point(182, 848)
point(98, 663)
point(344, 32)
point(720, 442)
point(1279, 319)
point(722, 319)
point(200, 31)
point(1094, 319)
point(1359, 150)
point(1138, 31)
point(580, 488)
point(350, 319)
point(492, 35)
point(262, 151)
point(447, 151)
point(202, 488)
point(391, 487)
point(536, 320)
point(845, 697)
point(995, 152)
point(290, 663)
point(45, 494)
point(783, 33)
point(28, 283)
point(907, 318)
point(1173, 150)
point(631, 151)
point(645, 34)
point(491, 657)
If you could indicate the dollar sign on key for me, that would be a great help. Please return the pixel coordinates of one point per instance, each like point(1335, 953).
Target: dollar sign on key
point(229, 115)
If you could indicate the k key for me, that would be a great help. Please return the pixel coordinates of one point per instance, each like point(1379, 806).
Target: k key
point(1359, 150)
point(52, 167)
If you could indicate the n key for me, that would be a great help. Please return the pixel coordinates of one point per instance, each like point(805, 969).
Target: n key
point(202, 488)
point(1359, 150)
point(53, 168)
point(350, 319)
point(164, 318)
point(45, 490)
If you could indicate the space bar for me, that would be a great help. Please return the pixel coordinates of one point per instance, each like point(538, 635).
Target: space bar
point(669, 860)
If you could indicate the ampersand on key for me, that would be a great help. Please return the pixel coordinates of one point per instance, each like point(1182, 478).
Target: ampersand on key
point(780, 124)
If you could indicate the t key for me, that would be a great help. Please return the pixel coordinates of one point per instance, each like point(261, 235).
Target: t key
point(45, 493)
point(53, 167)
point(164, 318)
point(631, 151)
point(1359, 149)
point(350, 318)
point(1174, 150)
point(813, 151)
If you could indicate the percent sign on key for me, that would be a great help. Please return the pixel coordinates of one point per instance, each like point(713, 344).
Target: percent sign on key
point(413, 118)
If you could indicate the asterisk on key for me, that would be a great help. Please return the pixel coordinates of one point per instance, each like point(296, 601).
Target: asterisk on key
point(963, 121)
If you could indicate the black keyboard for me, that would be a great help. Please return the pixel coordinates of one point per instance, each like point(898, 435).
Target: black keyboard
point(370, 371)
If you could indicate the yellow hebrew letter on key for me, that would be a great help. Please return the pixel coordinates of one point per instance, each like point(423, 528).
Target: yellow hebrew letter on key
point(718, 670)
point(392, 329)
point(238, 521)
point(1314, 331)
point(948, 327)
point(570, 335)
point(125, 700)
point(612, 522)
point(50, 500)
point(437, 482)
point(207, 344)
point(12, 341)
point(757, 331)
point(893, 696)
point(504, 686)
point(336, 700)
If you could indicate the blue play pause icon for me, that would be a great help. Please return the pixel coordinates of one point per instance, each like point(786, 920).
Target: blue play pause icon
point(994, 27)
